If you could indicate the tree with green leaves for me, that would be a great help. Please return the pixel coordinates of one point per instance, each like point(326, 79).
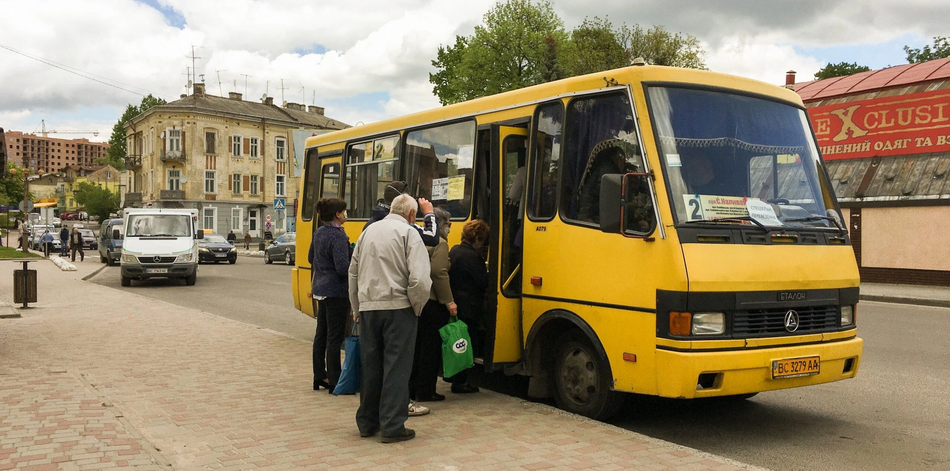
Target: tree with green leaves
point(11, 185)
point(840, 69)
point(940, 50)
point(660, 47)
point(99, 202)
point(517, 46)
point(594, 46)
point(117, 147)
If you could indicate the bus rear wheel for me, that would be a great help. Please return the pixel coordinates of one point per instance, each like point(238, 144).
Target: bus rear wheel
point(582, 380)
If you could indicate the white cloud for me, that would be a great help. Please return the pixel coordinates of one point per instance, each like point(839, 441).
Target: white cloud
point(760, 60)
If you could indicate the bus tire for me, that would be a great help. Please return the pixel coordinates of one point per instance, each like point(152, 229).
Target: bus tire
point(582, 380)
point(126, 281)
point(191, 279)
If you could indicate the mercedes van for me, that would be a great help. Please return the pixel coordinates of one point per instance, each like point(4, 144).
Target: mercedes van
point(160, 243)
point(110, 241)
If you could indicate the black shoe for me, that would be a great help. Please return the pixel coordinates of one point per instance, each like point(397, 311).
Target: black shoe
point(330, 388)
point(369, 433)
point(464, 389)
point(434, 397)
point(407, 434)
point(318, 384)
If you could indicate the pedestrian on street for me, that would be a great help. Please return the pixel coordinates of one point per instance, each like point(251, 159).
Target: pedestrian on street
point(469, 281)
point(427, 361)
point(389, 284)
point(47, 241)
point(330, 258)
point(231, 237)
point(63, 238)
point(75, 243)
point(247, 240)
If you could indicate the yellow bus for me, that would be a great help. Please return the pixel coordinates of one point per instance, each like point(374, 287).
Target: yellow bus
point(654, 230)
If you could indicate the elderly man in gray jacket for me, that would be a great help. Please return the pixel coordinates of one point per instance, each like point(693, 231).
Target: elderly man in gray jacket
point(389, 284)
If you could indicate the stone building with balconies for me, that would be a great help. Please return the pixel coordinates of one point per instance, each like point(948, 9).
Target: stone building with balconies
point(228, 158)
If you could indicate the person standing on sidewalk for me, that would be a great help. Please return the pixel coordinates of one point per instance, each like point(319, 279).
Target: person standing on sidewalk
point(389, 284)
point(47, 241)
point(427, 362)
point(469, 281)
point(75, 243)
point(63, 239)
point(330, 258)
point(231, 237)
point(247, 240)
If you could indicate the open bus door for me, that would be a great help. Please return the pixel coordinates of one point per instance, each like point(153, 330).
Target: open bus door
point(508, 148)
point(323, 180)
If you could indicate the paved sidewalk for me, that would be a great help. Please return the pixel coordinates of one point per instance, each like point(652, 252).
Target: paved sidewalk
point(906, 294)
point(99, 378)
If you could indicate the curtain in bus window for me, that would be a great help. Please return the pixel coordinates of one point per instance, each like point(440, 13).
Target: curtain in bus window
point(546, 151)
point(600, 140)
point(441, 164)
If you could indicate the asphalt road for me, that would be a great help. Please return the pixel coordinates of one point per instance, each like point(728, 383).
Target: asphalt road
point(894, 416)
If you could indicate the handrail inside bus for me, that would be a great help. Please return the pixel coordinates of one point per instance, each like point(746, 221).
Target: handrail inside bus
point(511, 278)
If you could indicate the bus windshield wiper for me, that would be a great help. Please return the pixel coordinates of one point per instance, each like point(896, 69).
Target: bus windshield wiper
point(734, 220)
point(818, 218)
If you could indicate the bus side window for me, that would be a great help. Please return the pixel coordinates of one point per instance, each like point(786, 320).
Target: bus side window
point(310, 184)
point(546, 153)
point(370, 166)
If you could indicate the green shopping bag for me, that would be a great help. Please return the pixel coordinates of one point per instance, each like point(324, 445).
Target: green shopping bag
point(456, 348)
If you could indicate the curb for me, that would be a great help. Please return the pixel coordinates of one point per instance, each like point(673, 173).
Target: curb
point(903, 300)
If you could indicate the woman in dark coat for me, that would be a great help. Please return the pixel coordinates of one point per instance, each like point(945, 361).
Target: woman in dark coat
point(469, 280)
point(330, 259)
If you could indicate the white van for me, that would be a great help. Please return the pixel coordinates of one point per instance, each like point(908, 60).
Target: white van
point(160, 243)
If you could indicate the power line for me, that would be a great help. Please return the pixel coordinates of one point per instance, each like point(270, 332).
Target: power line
point(74, 72)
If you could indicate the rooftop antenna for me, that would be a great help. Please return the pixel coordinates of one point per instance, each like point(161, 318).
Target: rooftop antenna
point(282, 88)
point(188, 74)
point(219, 80)
point(192, 57)
point(245, 82)
point(303, 94)
point(313, 97)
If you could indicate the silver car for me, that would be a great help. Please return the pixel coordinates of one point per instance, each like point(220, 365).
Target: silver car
point(282, 248)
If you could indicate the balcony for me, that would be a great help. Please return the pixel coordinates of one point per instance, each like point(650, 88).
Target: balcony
point(135, 198)
point(133, 161)
point(173, 156)
point(171, 195)
point(60, 192)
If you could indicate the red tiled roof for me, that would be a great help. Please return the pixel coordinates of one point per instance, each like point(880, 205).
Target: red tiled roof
point(874, 79)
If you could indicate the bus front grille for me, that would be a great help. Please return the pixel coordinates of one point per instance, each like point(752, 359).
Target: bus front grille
point(771, 322)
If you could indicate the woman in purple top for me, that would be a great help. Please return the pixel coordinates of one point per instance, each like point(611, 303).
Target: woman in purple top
point(330, 259)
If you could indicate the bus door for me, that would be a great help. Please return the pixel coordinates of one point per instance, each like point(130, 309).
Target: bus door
point(323, 180)
point(508, 147)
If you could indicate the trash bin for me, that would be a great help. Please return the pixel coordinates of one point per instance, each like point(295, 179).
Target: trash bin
point(261, 246)
point(24, 286)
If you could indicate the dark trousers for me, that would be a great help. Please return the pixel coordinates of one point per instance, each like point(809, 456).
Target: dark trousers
point(427, 361)
point(47, 248)
point(77, 248)
point(387, 342)
point(65, 247)
point(331, 321)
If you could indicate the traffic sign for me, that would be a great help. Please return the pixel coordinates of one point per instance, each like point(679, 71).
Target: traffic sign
point(278, 204)
point(26, 206)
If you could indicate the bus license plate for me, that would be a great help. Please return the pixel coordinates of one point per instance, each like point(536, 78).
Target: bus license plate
point(792, 367)
point(156, 270)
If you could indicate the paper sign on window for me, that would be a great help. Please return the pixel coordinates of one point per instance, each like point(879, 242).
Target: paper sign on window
point(699, 207)
point(762, 212)
point(456, 190)
point(440, 189)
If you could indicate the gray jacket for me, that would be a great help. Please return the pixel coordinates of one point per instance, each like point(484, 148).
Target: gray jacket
point(390, 268)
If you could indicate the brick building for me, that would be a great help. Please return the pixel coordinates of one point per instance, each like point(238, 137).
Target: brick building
point(885, 139)
point(52, 154)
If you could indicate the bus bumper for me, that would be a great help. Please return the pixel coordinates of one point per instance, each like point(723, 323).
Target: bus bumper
point(690, 374)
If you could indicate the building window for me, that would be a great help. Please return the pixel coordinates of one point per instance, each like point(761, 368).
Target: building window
point(236, 146)
point(281, 146)
point(252, 186)
point(279, 185)
point(174, 140)
point(174, 179)
point(236, 183)
point(209, 142)
point(254, 145)
point(236, 217)
point(209, 219)
point(210, 181)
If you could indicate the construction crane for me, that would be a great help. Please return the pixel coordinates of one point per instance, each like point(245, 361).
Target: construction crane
point(68, 131)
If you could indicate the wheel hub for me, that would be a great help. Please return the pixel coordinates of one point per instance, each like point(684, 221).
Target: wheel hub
point(579, 376)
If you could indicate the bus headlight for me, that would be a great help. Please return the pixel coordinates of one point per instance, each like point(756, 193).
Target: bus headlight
point(709, 323)
point(185, 257)
point(129, 258)
point(847, 315)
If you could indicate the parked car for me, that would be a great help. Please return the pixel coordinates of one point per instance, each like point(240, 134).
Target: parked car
point(89, 239)
point(215, 248)
point(57, 222)
point(282, 248)
point(110, 246)
point(37, 230)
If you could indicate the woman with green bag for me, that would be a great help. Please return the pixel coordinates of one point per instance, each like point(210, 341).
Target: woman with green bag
point(469, 280)
point(427, 361)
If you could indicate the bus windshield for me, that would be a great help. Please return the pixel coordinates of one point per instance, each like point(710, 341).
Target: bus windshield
point(151, 225)
point(734, 158)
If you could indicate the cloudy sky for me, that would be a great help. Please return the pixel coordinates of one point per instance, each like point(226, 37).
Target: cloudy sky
point(77, 63)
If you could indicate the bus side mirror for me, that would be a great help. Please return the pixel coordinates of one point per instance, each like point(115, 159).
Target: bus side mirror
point(626, 205)
point(115, 234)
point(200, 234)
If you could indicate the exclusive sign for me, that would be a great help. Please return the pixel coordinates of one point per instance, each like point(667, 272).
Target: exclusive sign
point(907, 124)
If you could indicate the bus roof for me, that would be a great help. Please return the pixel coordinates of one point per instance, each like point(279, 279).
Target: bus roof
point(550, 90)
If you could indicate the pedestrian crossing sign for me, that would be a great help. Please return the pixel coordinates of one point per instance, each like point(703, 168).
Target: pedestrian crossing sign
point(278, 204)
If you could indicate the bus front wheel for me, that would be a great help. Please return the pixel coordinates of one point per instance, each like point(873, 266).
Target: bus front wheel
point(582, 380)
